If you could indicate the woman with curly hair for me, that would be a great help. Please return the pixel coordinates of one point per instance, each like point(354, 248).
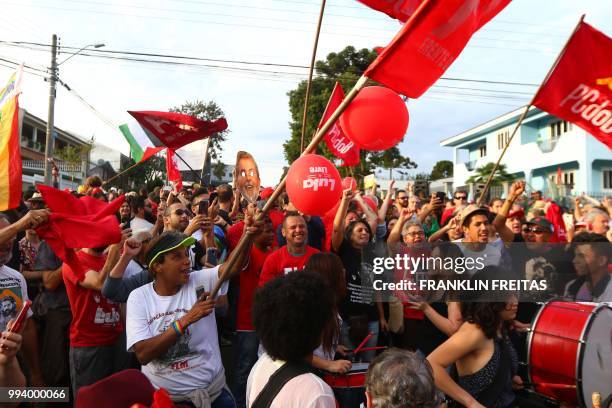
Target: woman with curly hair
point(485, 363)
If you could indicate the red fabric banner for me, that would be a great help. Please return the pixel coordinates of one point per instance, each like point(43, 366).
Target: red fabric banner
point(75, 223)
point(337, 141)
point(175, 130)
point(579, 89)
point(429, 42)
point(398, 9)
point(172, 170)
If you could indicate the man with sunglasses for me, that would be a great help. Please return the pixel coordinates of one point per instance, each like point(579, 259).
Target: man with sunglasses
point(401, 200)
point(460, 199)
point(176, 218)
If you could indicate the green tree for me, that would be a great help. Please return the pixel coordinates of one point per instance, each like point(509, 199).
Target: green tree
point(345, 67)
point(219, 170)
point(74, 155)
point(481, 175)
point(442, 169)
point(206, 111)
point(149, 174)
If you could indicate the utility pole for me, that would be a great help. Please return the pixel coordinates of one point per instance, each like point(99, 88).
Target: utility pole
point(50, 118)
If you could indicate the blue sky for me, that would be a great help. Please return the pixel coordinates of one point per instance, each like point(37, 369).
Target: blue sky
point(519, 45)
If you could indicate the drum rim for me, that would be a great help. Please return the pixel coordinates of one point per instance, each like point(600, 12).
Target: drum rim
point(580, 348)
point(580, 352)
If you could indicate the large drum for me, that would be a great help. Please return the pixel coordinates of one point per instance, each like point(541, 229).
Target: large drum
point(570, 351)
point(349, 388)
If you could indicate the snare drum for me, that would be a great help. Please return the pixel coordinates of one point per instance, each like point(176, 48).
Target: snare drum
point(349, 388)
point(569, 351)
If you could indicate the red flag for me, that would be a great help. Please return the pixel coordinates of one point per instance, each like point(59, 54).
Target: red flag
point(429, 42)
point(339, 144)
point(150, 152)
point(398, 9)
point(579, 89)
point(176, 130)
point(554, 215)
point(78, 223)
point(172, 170)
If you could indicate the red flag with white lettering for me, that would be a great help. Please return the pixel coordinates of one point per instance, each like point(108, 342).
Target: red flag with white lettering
point(176, 130)
point(339, 144)
point(579, 89)
point(398, 9)
point(172, 170)
point(429, 42)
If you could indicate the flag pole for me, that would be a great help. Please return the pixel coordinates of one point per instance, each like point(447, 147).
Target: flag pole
point(312, 63)
point(524, 114)
point(246, 239)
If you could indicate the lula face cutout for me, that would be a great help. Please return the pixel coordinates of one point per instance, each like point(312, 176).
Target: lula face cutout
point(246, 175)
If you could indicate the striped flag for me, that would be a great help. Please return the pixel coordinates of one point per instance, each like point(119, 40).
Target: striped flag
point(141, 146)
point(10, 153)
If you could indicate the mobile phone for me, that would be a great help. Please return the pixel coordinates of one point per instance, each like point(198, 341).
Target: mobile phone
point(203, 207)
point(167, 188)
point(23, 313)
point(441, 195)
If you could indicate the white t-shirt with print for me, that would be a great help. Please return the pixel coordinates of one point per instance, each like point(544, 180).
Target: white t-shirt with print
point(490, 255)
point(13, 294)
point(194, 360)
point(303, 391)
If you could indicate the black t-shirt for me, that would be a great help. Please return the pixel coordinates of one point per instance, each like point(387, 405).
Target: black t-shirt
point(225, 215)
point(359, 299)
point(431, 337)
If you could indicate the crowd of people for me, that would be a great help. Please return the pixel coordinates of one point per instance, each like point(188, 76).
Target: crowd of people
point(295, 303)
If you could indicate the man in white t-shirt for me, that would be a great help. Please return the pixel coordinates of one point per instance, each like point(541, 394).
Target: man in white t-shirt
point(140, 207)
point(289, 331)
point(170, 326)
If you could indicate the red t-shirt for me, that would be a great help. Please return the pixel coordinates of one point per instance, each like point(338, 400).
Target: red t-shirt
point(235, 231)
point(95, 320)
point(249, 279)
point(281, 262)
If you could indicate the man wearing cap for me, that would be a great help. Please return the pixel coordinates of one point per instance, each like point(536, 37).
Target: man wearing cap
point(176, 218)
point(170, 324)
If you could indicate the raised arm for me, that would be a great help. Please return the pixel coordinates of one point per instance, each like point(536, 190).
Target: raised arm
point(427, 209)
point(382, 213)
point(499, 222)
point(395, 235)
point(94, 279)
point(338, 230)
point(370, 214)
point(32, 219)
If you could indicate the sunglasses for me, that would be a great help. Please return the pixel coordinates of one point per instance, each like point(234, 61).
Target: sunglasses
point(535, 230)
point(402, 198)
point(415, 234)
point(460, 197)
point(180, 212)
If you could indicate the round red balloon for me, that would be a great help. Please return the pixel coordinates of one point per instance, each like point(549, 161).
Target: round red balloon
point(377, 119)
point(371, 203)
point(349, 182)
point(314, 185)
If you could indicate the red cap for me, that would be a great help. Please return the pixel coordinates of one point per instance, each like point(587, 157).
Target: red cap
point(97, 190)
point(516, 214)
point(266, 193)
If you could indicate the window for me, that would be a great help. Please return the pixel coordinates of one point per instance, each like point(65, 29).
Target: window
point(482, 151)
point(607, 179)
point(503, 138)
point(558, 128)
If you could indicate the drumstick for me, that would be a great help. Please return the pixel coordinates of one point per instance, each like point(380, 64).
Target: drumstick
point(373, 348)
point(360, 346)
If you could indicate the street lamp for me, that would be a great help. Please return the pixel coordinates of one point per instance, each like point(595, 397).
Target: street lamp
point(52, 94)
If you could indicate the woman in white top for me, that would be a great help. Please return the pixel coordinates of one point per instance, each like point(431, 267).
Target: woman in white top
point(290, 314)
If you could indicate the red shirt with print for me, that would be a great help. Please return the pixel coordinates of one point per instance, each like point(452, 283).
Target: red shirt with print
point(281, 262)
point(249, 279)
point(95, 320)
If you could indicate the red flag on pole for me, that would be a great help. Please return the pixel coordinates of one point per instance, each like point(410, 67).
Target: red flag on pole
point(176, 130)
point(339, 144)
point(398, 9)
point(429, 42)
point(172, 170)
point(579, 89)
point(72, 221)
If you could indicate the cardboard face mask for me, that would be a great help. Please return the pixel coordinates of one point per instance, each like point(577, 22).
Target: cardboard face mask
point(246, 177)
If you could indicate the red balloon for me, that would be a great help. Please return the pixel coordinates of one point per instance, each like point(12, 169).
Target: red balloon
point(349, 182)
point(314, 185)
point(370, 202)
point(377, 119)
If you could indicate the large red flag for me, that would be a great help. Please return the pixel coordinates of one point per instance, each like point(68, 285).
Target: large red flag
point(175, 130)
point(78, 223)
point(337, 141)
point(579, 89)
point(172, 170)
point(429, 42)
point(398, 9)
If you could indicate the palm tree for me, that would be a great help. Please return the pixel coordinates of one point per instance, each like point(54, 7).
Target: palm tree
point(481, 175)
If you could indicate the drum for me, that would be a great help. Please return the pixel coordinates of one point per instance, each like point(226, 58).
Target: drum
point(349, 388)
point(569, 351)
